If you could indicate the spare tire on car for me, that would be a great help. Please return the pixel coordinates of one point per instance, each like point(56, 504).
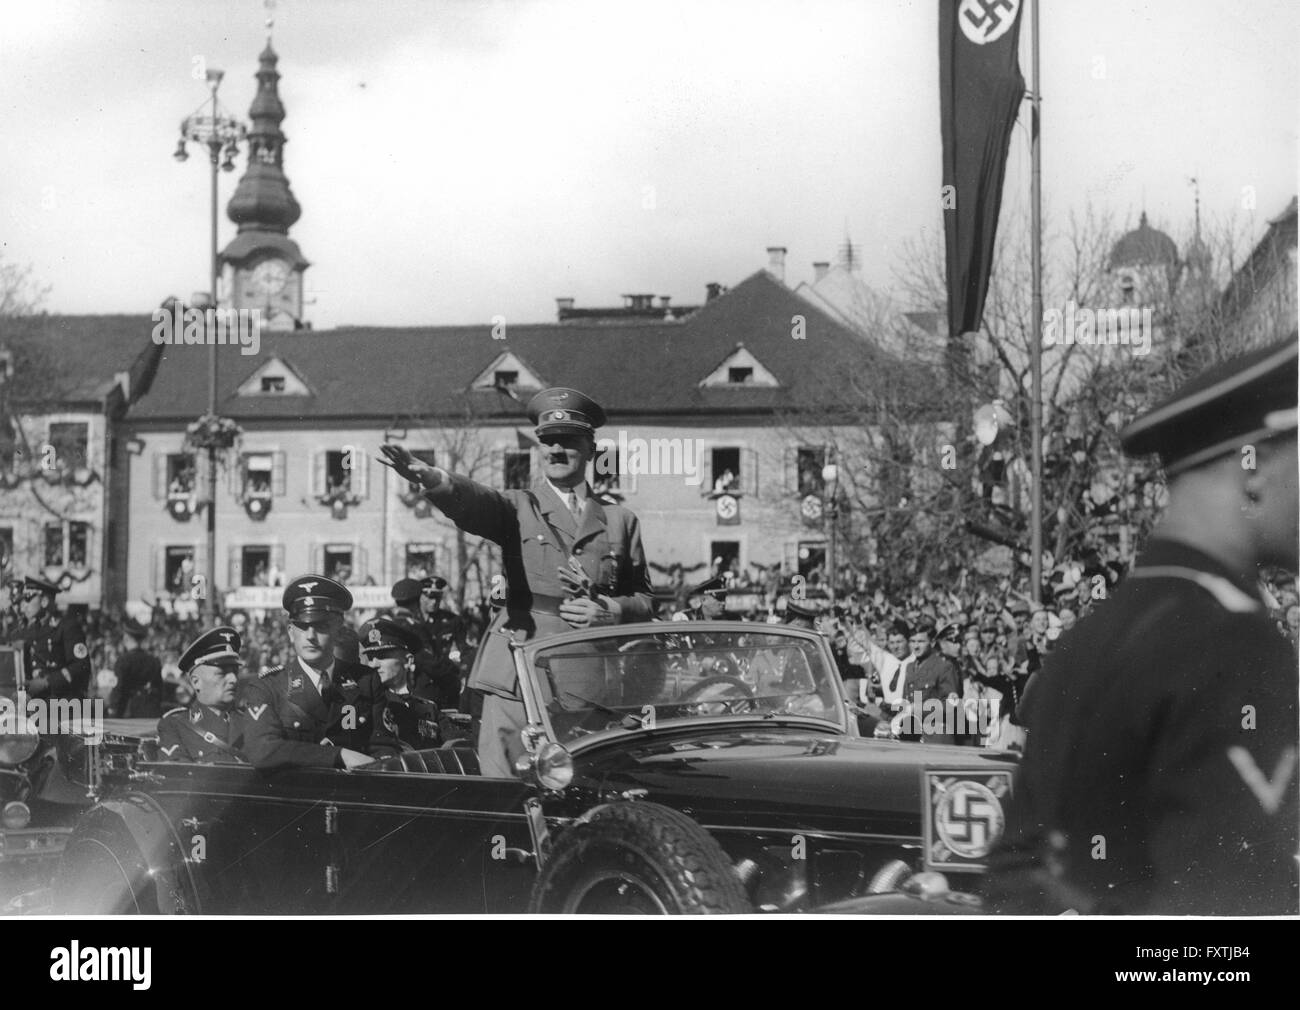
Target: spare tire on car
point(638, 858)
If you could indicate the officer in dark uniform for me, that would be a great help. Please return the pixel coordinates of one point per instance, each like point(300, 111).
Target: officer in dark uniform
point(1160, 774)
point(705, 601)
point(444, 624)
point(318, 711)
point(570, 561)
point(208, 730)
point(56, 651)
point(138, 694)
point(437, 678)
point(390, 648)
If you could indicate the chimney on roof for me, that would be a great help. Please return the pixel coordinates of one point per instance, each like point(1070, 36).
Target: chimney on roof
point(714, 289)
point(820, 270)
point(776, 261)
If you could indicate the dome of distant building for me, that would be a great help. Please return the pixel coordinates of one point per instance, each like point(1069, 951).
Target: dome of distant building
point(1144, 246)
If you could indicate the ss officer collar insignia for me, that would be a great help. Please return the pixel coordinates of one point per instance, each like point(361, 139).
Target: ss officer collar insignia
point(296, 682)
point(196, 715)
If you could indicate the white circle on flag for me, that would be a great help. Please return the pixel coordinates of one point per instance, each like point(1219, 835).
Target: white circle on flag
point(969, 819)
point(985, 21)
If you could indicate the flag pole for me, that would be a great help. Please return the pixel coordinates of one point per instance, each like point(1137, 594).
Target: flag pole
point(1036, 347)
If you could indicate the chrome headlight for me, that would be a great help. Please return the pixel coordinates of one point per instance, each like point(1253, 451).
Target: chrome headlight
point(16, 815)
point(16, 748)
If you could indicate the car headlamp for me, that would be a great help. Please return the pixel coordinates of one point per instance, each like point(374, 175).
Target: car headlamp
point(15, 748)
point(554, 766)
point(16, 815)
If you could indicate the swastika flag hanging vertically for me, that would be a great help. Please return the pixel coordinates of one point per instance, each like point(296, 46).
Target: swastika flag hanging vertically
point(980, 89)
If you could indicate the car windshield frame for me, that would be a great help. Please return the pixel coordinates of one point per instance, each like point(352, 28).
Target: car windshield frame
point(539, 714)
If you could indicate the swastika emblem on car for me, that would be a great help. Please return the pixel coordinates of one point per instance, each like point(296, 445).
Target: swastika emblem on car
point(969, 819)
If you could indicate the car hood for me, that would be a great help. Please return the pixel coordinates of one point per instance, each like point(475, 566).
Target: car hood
point(786, 778)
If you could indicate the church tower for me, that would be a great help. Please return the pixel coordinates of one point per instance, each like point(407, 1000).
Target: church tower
point(263, 267)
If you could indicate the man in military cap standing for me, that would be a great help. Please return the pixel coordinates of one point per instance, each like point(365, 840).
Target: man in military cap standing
point(138, 693)
point(390, 648)
point(208, 729)
point(570, 561)
point(317, 711)
point(56, 645)
point(1160, 775)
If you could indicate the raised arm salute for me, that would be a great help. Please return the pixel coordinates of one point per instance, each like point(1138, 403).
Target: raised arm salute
point(571, 561)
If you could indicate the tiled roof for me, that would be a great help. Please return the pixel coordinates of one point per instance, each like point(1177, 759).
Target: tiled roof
point(75, 358)
point(633, 369)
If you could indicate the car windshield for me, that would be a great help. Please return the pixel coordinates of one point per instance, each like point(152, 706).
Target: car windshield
point(635, 683)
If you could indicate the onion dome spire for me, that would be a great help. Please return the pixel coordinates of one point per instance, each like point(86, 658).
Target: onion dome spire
point(263, 201)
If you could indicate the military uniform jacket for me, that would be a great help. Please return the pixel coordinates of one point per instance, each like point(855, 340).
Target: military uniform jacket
point(1164, 729)
point(413, 721)
point(537, 535)
point(200, 733)
point(52, 646)
point(934, 677)
point(288, 724)
point(138, 694)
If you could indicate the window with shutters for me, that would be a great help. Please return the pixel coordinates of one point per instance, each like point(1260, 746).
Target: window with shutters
point(67, 544)
point(339, 560)
point(338, 477)
point(725, 467)
point(518, 467)
point(71, 443)
point(421, 560)
point(812, 560)
point(180, 475)
point(258, 474)
point(810, 462)
point(178, 569)
point(255, 566)
point(724, 556)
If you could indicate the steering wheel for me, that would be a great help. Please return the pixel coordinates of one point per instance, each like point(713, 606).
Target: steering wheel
point(723, 692)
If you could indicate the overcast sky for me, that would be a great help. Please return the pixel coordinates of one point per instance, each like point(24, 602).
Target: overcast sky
point(458, 159)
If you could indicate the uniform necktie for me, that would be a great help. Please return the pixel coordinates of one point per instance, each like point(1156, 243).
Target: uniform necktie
point(324, 683)
point(575, 506)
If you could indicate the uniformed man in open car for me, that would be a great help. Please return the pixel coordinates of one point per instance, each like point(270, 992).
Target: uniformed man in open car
point(208, 729)
point(390, 649)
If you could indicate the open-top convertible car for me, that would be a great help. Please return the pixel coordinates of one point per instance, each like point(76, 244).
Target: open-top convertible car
point(713, 767)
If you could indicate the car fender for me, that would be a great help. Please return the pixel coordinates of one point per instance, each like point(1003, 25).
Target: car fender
point(155, 850)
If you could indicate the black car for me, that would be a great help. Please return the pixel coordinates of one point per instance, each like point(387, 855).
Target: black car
point(670, 768)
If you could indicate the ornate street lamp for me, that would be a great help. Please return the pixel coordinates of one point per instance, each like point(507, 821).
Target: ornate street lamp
point(211, 127)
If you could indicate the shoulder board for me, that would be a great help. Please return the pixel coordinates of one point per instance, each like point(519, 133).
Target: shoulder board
point(271, 672)
point(174, 711)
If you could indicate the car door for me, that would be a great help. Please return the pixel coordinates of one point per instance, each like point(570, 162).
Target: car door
point(259, 842)
point(419, 842)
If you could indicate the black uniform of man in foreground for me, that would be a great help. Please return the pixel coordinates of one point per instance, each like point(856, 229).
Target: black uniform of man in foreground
point(317, 711)
point(58, 659)
point(1160, 772)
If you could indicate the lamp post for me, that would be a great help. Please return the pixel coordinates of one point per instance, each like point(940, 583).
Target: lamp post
point(210, 127)
point(831, 476)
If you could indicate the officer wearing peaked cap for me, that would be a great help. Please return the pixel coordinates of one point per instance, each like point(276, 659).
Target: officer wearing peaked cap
point(706, 601)
point(316, 711)
point(1163, 725)
point(390, 648)
point(208, 730)
point(570, 560)
point(57, 657)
